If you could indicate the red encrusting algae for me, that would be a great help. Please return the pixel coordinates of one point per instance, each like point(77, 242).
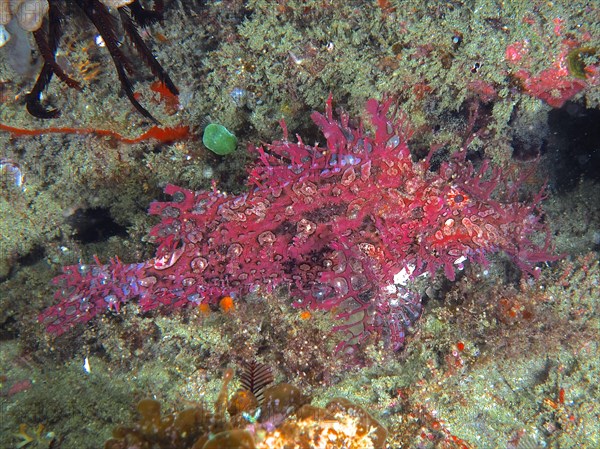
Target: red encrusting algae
point(338, 224)
point(556, 84)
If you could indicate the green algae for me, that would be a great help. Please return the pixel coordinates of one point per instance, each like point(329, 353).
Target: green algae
point(219, 139)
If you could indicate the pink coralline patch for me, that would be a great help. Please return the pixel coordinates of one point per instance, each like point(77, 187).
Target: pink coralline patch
point(334, 223)
point(554, 85)
point(19, 387)
point(558, 26)
point(516, 51)
point(484, 90)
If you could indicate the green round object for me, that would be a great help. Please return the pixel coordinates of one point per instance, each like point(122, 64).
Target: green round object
point(218, 139)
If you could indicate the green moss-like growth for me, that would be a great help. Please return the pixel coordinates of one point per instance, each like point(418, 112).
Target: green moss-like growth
point(219, 139)
point(576, 61)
